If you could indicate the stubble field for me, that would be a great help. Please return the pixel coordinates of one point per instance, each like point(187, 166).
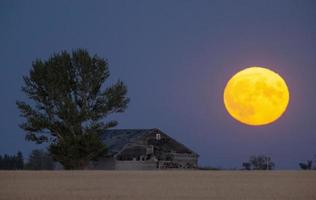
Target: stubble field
point(154, 185)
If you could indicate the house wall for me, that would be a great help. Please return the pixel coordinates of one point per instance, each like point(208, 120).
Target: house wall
point(179, 161)
point(135, 165)
point(103, 164)
point(186, 160)
point(188, 163)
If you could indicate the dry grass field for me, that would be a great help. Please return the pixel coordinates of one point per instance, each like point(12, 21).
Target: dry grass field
point(152, 185)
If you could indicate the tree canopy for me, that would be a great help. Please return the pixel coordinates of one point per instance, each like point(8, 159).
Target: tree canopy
point(68, 102)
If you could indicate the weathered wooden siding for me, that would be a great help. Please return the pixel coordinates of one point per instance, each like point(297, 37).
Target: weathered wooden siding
point(135, 165)
point(103, 164)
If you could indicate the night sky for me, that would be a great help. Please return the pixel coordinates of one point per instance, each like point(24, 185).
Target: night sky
point(175, 57)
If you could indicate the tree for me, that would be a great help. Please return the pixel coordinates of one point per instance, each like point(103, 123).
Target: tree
point(19, 160)
point(246, 166)
point(12, 162)
point(69, 102)
point(260, 162)
point(306, 166)
point(40, 160)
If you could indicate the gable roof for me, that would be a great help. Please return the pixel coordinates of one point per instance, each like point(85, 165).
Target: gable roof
point(116, 139)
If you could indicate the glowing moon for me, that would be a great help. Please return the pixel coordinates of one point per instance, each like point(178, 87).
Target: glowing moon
point(256, 96)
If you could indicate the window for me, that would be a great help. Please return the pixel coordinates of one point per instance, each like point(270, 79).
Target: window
point(158, 136)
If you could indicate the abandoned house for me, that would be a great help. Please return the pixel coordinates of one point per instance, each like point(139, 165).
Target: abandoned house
point(144, 149)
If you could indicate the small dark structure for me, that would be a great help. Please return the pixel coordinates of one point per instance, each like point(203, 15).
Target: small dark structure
point(144, 149)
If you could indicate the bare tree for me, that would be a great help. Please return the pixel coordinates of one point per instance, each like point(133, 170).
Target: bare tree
point(259, 162)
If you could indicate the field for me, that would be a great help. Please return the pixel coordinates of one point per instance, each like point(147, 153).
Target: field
point(154, 185)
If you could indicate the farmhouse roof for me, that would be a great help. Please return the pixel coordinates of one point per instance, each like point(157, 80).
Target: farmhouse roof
point(116, 139)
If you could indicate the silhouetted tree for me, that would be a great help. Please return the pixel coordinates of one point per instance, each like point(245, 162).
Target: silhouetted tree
point(12, 162)
point(246, 166)
point(40, 160)
point(307, 165)
point(69, 105)
point(314, 167)
point(260, 162)
point(19, 160)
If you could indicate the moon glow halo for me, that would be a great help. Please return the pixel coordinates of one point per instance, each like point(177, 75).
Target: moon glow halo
point(256, 96)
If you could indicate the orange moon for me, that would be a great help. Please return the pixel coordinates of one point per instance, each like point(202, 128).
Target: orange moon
point(256, 96)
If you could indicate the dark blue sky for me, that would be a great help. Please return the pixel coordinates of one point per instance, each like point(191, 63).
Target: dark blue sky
point(175, 57)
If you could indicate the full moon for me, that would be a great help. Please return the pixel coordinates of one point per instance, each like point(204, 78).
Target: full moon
point(256, 96)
